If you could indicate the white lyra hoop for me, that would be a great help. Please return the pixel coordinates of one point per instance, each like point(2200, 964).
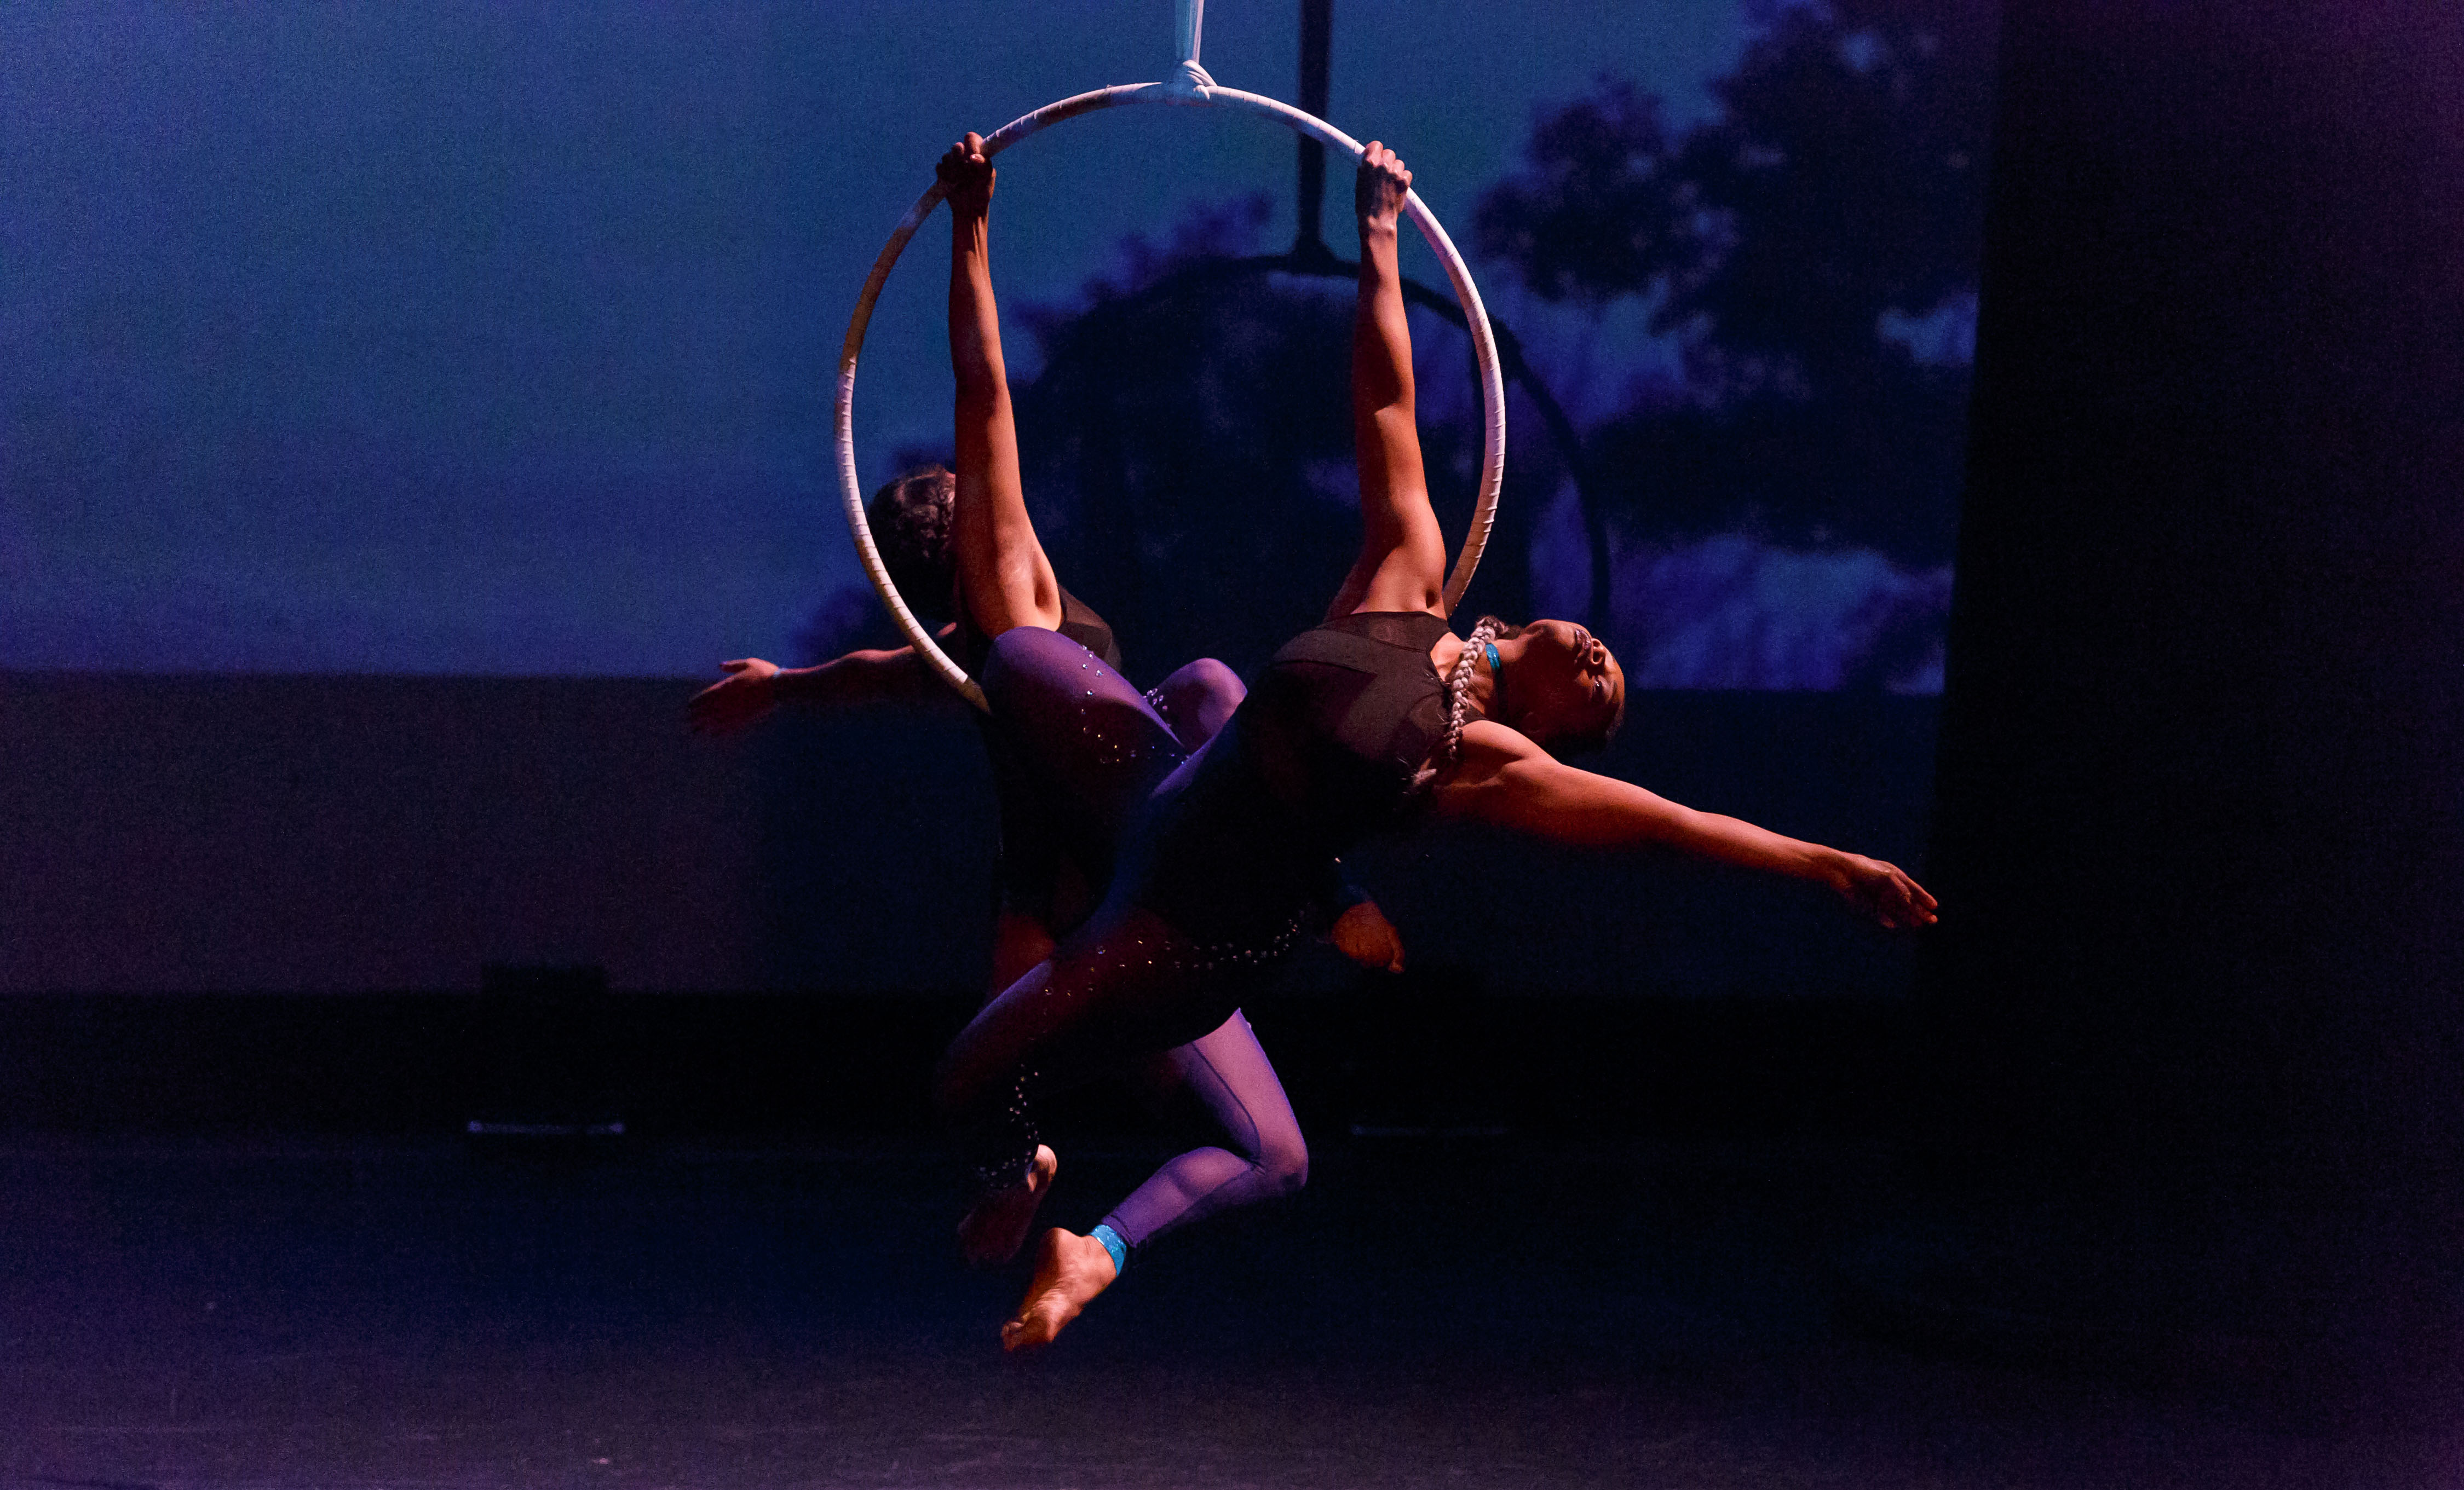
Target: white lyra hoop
point(1189, 85)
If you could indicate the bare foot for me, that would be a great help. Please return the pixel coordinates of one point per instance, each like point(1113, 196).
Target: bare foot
point(1069, 1271)
point(993, 1228)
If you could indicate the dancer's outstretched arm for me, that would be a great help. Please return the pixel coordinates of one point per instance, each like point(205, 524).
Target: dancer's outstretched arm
point(1004, 576)
point(1402, 563)
point(1508, 780)
point(753, 688)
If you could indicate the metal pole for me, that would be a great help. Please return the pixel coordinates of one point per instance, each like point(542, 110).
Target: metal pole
point(1317, 25)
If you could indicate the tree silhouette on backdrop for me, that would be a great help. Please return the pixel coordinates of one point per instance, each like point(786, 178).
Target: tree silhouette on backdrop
point(1805, 247)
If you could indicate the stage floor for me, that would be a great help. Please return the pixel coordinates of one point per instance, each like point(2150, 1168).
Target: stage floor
point(1465, 1312)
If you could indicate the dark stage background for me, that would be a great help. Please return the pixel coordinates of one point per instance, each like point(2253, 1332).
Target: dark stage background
point(2201, 827)
point(351, 850)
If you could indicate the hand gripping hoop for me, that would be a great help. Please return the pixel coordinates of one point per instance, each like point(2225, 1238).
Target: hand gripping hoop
point(1189, 85)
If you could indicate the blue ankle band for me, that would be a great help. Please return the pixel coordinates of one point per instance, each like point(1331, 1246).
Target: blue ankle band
point(1113, 1244)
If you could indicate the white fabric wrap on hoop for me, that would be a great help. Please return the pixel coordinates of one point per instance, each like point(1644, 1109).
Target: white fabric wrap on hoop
point(1190, 86)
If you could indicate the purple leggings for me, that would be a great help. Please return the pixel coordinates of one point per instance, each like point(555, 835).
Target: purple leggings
point(1123, 994)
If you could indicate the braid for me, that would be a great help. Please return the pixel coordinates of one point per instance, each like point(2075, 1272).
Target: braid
point(1458, 687)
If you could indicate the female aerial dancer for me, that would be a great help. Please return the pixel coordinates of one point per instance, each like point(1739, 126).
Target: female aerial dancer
point(1362, 724)
point(1063, 802)
point(1055, 848)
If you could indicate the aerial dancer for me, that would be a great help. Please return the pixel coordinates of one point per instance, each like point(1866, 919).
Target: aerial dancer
point(1065, 779)
point(1376, 717)
point(1053, 860)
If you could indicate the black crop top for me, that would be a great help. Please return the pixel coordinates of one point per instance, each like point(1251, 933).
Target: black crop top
point(1322, 752)
point(1079, 623)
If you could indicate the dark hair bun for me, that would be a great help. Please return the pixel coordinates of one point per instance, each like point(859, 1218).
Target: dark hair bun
point(911, 519)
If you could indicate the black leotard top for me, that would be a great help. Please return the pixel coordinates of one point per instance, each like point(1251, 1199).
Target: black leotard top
point(1323, 751)
point(1079, 623)
point(1039, 839)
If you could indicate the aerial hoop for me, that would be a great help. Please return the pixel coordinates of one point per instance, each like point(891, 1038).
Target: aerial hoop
point(1188, 86)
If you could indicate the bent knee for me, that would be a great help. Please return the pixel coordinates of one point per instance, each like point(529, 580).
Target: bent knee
point(1197, 699)
point(1285, 1167)
point(1209, 678)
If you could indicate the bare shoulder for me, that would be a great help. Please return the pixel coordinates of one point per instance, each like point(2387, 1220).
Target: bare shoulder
point(1488, 739)
point(1505, 778)
point(1492, 754)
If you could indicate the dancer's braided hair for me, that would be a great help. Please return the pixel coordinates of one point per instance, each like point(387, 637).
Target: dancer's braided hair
point(1458, 689)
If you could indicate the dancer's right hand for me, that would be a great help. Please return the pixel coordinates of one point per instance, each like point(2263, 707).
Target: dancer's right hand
point(742, 699)
point(966, 176)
